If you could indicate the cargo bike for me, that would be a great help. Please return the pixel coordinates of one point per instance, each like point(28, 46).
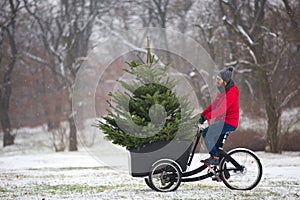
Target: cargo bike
point(164, 165)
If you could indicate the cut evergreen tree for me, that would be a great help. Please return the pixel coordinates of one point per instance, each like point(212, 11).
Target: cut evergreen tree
point(147, 109)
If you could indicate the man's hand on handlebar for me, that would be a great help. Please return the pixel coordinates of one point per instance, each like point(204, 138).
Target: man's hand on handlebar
point(202, 119)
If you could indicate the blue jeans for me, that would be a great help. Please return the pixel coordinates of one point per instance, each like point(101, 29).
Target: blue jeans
point(214, 134)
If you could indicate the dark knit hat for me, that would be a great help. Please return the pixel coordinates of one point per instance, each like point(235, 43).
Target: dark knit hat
point(226, 73)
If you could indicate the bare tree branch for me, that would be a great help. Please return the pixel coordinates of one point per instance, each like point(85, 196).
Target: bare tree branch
point(250, 88)
point(290, 12)
point(289, 97)
point(118, 35)
point(278, 59)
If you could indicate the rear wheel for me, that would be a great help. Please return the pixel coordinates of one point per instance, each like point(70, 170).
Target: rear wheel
point(245, 179)
point(165, 176)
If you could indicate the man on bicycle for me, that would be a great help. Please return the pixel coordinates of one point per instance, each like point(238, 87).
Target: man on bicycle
point(224, 109)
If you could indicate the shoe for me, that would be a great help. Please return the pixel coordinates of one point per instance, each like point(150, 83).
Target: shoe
point(213, 160)
point(216, 179)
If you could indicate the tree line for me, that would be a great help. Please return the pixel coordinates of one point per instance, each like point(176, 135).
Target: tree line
point(260, 38)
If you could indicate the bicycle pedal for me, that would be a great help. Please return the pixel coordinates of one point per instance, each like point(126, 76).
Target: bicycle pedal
point(226, 175)
point(216, 179)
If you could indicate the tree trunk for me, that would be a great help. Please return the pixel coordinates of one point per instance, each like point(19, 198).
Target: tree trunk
point(272, 110)
point(273, 113)
point(8, 138)
point(272, 132)
point(72, 134)
point(71, 120)
point(6, 90)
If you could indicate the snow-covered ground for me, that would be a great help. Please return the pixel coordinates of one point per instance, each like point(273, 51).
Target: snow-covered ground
point(31, 170)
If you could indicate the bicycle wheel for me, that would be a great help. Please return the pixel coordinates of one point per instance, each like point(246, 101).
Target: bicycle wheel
point(165, 176)
point(245, 179)
point(149, 184)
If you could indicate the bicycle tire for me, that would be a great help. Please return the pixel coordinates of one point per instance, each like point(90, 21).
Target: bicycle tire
point(149, 184)
point(165, 176)
point(245, 179)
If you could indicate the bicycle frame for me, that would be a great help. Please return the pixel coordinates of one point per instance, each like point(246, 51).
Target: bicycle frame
point(166, 174)
point(203, 167)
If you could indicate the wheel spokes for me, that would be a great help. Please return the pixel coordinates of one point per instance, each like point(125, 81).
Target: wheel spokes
point(244, 179)
point(165, 177)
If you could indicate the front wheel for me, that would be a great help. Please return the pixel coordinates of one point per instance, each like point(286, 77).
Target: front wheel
point(165, 176)
point(149, 184)
point(245, 179)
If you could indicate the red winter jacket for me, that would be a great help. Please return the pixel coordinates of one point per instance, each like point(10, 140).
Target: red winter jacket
point(225, 107)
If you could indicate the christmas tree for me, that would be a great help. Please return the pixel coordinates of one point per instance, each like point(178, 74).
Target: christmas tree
point(147, 109)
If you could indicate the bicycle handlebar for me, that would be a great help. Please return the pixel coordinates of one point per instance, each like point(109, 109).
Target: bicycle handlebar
point(199, 129)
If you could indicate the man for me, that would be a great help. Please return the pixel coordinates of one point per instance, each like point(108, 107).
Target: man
point(224, 109)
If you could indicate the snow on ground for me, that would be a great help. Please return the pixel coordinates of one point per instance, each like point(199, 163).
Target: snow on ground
point(31, 170)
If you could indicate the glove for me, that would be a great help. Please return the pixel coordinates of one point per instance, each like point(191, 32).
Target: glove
point(202, 119)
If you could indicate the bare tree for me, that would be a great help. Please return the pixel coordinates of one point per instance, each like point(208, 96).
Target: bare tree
point(174, 14)
point(207, 32)
point(10, 9)
point(65, 29)
point(251, 21)
point(162, 14)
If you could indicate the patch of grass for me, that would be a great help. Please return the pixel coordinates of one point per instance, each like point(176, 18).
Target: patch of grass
point(75, 188)
point(200, 186)
point(4, 190)
point(69, 168)
point(83, 168)
point(12, 176)
point(35, 169)
point(245, 195)
point(258, 194)
point(249, 195)
point(284, 183)
point(273, 193)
